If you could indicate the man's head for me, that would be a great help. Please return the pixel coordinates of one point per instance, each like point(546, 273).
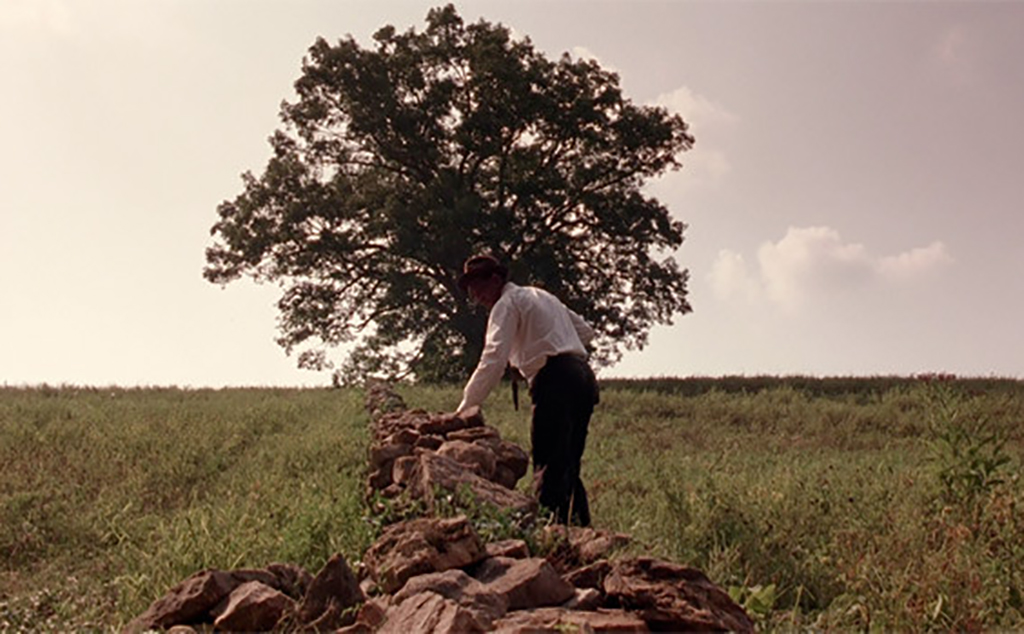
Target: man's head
point(482, 279)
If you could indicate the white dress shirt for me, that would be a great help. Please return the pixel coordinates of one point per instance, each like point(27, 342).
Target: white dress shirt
point(525, 327)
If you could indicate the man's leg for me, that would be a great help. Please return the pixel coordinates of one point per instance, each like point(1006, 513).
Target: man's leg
point(564, 393)
point(584, 397)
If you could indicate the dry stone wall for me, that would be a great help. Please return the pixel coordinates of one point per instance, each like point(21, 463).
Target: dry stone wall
point(434, 573)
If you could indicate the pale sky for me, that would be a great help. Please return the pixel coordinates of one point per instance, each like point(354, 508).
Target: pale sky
point(854, 198)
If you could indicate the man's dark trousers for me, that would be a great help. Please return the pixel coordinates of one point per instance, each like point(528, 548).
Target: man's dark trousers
point(564, 394)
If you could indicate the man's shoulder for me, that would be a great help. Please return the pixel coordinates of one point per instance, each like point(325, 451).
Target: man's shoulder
point(525, 293)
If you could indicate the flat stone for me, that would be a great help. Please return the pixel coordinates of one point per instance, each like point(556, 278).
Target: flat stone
point(557, 620)
point(477, 434)
point(514, 548)
point(429, 612)
point(526, 583)
point(576, 546)
point(485, 604)
point(673, 597)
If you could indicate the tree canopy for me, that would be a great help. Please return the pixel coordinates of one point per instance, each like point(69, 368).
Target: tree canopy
point(397, 162)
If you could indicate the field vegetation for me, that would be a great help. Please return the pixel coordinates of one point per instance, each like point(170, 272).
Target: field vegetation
point(860, 503)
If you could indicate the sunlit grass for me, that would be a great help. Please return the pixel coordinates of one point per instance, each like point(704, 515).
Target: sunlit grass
point(821, 505)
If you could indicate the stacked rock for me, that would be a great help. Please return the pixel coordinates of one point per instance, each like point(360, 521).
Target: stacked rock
point(435, 574)
point(419, 454)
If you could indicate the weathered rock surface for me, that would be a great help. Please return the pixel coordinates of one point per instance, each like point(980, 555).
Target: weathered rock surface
point(514, 548)
point(330, 597)
point(192, 600)
point(575, 547)
point(402, 438)
point(672, 597)
point(419, 546)
point(430, 612)
point(432, 472)
point(291, 579)
point(590, 576)
point(370, 617)
point(559, 620)
point(585, 599)
point(485, 603)
point(525, 583)
point(480, 459)
point(252, 607)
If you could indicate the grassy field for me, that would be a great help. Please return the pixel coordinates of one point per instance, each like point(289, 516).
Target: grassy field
point(820, 503)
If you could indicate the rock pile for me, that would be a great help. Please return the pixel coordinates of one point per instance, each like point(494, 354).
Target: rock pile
point(435, 574)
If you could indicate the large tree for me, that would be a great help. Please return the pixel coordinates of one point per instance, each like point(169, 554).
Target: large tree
point(397, 162)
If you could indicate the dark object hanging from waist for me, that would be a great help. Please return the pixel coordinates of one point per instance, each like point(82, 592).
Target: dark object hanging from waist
point(515, 376)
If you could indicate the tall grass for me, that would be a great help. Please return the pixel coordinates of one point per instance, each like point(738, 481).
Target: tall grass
point(130, 491)
point(852, 504)
point(877, 503)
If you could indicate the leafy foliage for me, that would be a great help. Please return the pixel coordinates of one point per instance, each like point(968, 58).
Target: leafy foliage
point(968, 450)
point(396, 163)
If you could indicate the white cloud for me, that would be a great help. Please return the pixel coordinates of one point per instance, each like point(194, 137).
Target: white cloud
point(695, 108)
point(814, 262)
point(730, 277)
point(914, 262)
point(809, 260)
point(707, 163)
